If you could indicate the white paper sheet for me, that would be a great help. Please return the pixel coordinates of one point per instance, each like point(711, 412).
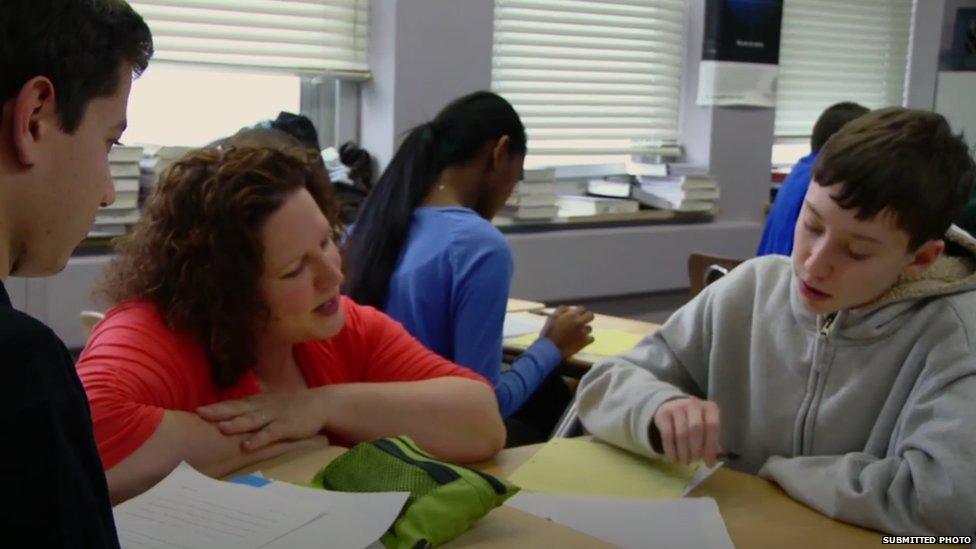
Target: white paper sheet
point(349, 521)
point(660, 523)
point(519, 324)
point(701, 474)
point(188, 510)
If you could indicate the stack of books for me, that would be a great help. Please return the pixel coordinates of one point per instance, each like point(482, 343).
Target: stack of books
point(534, 197)
point(577, 205)
point(639, 168)
point(685, 189)
point(116, 218)
point(611, 187)
point(153, 165)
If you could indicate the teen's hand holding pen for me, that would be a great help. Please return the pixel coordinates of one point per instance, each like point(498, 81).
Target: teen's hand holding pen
point(687, 429)
point(569, 329)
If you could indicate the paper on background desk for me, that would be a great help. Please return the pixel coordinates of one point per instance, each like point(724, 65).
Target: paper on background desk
point(666, 523)
point(190, 510)
point(583, 467)
point(521, 324)
point(605, 342)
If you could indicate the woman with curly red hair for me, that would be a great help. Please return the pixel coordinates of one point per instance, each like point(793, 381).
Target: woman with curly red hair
point(229, 343)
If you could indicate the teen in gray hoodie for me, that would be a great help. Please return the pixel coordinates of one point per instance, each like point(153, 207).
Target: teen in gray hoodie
point(847, 373)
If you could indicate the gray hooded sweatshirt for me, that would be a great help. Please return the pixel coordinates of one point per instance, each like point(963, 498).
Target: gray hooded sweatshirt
point(868, 416)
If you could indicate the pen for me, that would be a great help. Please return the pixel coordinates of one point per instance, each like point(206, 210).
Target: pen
point(547, 312)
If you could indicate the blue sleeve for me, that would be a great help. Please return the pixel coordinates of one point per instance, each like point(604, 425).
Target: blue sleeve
point(527, 373)
point(483, 273)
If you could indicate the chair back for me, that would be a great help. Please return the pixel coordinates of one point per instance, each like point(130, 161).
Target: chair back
point(569, 425)
point(703, 269)
point(88, 320)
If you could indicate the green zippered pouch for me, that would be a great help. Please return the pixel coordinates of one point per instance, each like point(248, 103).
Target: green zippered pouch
point(445, 499)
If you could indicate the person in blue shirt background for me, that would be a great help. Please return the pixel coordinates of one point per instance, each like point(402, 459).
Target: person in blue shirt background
point(777, 237)
point(424, 251)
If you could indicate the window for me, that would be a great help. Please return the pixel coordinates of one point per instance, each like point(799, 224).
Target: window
point(788, 150)
point(313, 37)
point(224, 64)
point(592, 80)
point(840, 50)
point(192, 106)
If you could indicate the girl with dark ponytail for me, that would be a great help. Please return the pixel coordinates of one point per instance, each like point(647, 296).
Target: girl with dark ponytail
point(424, 250)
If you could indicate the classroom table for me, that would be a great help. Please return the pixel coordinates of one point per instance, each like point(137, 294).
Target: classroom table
point(504, 527)
point(757, 513)
point(580, 362)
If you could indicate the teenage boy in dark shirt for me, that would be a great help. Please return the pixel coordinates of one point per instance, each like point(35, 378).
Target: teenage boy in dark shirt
point(66, 67)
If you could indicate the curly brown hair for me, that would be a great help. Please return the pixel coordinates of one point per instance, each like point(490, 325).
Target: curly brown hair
point(197, 251)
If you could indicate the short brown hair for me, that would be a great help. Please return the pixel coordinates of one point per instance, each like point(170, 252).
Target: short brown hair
point(902, 160)
point(81, 46)
point(197, 251)
point(831, 120)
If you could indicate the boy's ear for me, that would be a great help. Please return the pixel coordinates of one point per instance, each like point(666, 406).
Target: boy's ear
point(924, 257)
point(33, 114)
point(499, 153)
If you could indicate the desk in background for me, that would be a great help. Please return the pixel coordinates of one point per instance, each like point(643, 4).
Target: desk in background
point(580, 362)
point(521, 305)
point(757, 513)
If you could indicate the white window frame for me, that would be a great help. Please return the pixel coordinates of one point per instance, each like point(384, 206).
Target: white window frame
point(332, 104)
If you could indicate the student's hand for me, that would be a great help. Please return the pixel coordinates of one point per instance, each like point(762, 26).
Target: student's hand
point(268, 417)
point(568, 328)
point(689, 429)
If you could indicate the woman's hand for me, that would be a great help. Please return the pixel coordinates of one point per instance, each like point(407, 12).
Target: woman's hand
point(569, 329)
point(269, 417)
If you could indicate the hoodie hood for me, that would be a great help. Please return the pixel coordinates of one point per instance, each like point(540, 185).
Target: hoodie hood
point(954, 272)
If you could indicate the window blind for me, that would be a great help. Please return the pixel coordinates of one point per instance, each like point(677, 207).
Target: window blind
point(309, 37)
point(840, 50)
point(598, 77)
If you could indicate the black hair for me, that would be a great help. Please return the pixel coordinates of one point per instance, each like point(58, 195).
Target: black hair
point(900, 160)
point(80, 45)
point(298, 126)
point(455, 136)
point(833, 119)
point(353, 194)
point(359, 162)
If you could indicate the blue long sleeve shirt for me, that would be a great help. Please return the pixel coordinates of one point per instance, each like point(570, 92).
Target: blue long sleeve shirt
point(450, 289)
point(777, 237)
